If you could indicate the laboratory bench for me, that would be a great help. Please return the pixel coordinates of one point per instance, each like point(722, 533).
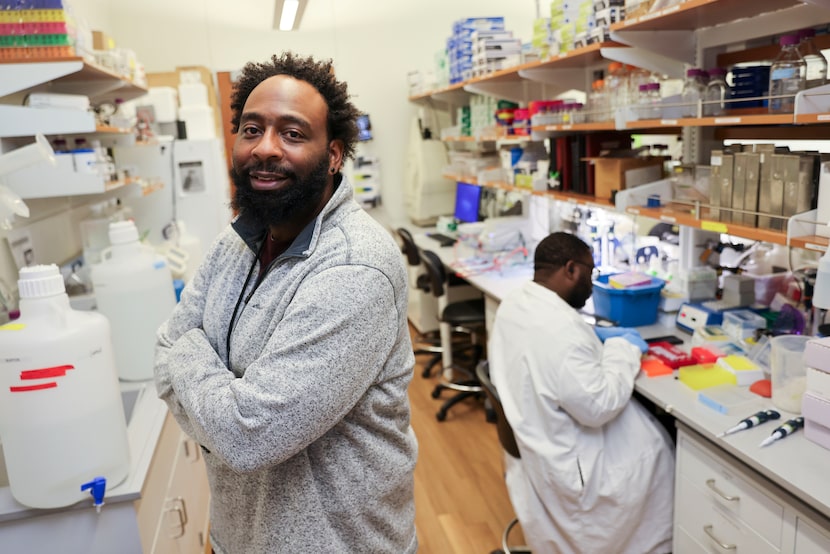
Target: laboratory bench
point(731, 494)
point(161, 506)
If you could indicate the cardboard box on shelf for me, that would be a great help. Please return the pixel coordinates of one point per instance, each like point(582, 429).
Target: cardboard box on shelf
point(614, 174)
point(102, 41)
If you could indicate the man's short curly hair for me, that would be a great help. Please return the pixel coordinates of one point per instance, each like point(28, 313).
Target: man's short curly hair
point(557, 249)
point(342, 117)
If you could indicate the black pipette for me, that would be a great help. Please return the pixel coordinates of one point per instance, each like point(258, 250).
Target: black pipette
point(752, 421)
point(787, 428)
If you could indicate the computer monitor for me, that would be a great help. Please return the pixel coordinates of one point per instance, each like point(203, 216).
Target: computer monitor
point(364, 127)
point(467, 201)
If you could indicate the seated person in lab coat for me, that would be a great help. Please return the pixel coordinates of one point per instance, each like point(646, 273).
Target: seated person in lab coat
point(288, 358)
point(596, 473)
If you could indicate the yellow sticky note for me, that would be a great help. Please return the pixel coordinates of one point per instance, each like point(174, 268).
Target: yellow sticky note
point(713, 226)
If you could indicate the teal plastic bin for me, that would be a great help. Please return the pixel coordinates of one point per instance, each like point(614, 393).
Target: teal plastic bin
point(629, 307)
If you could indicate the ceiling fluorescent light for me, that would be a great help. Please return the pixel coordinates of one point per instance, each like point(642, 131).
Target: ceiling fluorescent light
point(289, 14)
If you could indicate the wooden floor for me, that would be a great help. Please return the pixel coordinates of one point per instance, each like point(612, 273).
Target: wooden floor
point(461, 500)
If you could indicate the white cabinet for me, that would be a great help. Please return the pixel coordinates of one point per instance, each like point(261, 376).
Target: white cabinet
point(721, 505)
point(173, 509)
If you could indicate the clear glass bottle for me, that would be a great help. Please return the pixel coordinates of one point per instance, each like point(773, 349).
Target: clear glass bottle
point(717, 93)
point(816, 70)
point(596, 102)
point(643, 102)
point(655, 101)
point(693, 92)
point(616, 88)
point(786, 76)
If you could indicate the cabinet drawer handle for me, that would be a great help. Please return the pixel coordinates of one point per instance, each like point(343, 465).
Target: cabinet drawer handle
point(180, 509)
point(708, 530)
point(191, 454)
point(711, 484)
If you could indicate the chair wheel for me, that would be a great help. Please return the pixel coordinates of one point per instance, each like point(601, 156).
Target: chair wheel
point(441, 416)
point(436, 392)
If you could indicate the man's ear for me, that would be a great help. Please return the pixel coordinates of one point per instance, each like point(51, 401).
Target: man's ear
point(570, 270)
point(335, 155)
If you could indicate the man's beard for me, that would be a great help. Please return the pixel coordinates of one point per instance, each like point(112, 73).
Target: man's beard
point(580, 295)
point(274, 207)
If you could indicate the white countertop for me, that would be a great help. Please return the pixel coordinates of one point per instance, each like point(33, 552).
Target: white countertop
point(143, 430)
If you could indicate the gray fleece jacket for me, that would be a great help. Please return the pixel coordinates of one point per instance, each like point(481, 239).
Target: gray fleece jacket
point(305, 423)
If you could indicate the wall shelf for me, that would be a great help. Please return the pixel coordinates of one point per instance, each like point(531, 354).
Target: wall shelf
point(45, 181)
point(698, 14)
point(811, 242)
point(685, 216)
point(70, 75)
point(524, 81)
point(583, 199)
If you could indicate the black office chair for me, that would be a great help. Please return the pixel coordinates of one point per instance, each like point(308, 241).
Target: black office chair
point(466, 316)
point(429, 342)
point(508, 443)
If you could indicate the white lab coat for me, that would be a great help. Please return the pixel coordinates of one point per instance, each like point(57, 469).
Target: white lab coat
point(596, 473)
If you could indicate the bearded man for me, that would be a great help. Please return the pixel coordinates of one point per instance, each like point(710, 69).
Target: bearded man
point(288, 358)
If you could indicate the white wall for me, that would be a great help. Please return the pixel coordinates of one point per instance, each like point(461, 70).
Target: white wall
point(373, 43)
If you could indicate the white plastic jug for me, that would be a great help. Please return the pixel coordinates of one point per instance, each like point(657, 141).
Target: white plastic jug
point(61, 416)
point(134, 289)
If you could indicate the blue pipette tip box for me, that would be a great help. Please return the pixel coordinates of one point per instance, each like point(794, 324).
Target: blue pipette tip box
point(730, 399)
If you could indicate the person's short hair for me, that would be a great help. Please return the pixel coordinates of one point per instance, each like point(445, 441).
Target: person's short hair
point(341, 122)
point(557, 249)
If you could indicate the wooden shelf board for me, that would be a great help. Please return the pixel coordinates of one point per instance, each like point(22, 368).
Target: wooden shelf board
point(577, 58)
point(720, 121)
point(594, 126)
point(461, 178)
point(813, 119)
point(684, 216)
point(698, 14)
point(585, 199)
point(457, 87)
point(811, 242)
point(579, 198)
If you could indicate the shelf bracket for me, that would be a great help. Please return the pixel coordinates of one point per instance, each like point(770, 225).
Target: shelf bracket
point(638, 196)
point(559, 80)
point(673, 46)
point(813, 101)
point(647, 60)
point(516, 91)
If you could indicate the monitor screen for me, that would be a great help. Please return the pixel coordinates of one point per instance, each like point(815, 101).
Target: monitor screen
point(364, 127)
point(467, 200)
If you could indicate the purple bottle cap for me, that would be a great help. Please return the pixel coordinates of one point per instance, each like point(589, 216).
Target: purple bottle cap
point(788, 40)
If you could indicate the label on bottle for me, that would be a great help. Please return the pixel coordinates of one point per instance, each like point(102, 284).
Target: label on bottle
point(781, 73)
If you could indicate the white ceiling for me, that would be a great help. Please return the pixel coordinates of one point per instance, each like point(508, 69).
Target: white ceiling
point(259, 14)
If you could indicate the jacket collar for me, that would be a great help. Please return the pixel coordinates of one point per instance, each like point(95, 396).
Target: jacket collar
point(253, 234)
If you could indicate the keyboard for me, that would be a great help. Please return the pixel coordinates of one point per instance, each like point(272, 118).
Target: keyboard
point(444, 240)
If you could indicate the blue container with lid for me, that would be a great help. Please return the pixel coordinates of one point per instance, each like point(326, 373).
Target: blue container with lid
point(629, 307)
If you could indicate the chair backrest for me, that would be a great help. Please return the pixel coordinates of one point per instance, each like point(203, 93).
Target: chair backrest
point(506, 437)
point(435, 272)
point(409, 248)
